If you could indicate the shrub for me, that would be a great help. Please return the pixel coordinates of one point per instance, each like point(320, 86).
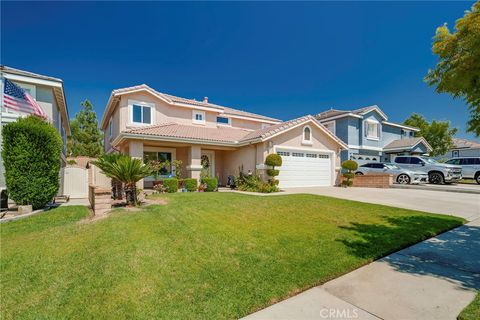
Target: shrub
point(273, 160)
point(170, 184)
point(350, 166)
point(272, 172)
point(190, 184)
point(31, 155)
point(253, 183)
point(212, 184)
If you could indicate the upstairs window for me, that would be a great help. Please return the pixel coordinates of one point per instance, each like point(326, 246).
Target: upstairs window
point(223, 120)
point(372, 129)
point(307, 135)
point(141, 114)
point(198, 117)
point(330, 126)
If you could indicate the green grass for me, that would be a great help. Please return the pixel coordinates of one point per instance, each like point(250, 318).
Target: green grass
point(201, 256)
point(472, 311)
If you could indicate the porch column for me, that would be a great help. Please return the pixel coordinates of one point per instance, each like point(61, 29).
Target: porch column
point(136, 151)
point(194, 165)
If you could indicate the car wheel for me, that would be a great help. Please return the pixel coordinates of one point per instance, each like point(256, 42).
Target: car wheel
point(435, 178)
point(477, 178)
point(403, 179)
point(359, 173)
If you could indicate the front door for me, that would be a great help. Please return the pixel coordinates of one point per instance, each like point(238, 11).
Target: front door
point(208, 162)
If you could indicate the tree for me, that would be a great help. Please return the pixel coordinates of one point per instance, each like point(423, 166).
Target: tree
point(31, 156)
point(86, 139)
point(350, 166)
point(126, 169)
point(458, 69)
point(437, 133)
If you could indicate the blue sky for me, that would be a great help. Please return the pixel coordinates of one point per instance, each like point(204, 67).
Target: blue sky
point(279, 59)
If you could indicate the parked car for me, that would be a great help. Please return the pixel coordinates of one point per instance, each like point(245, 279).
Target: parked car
point(400, 175)
point(470, 167)
point(438, 173)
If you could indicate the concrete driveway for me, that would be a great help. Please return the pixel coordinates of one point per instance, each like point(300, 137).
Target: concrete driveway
point(462, 205)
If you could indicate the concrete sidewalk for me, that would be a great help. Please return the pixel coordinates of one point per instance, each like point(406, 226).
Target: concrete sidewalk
point(434, 279)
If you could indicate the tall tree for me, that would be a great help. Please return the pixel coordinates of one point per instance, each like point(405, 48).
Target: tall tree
point(437, 133)
point(86, 139)
point(458, 69)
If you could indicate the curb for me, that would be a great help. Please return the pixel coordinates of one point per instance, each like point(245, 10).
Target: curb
point(444, 189)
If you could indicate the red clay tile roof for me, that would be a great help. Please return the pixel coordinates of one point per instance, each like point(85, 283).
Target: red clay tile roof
point(175, 130)
point(465, 144)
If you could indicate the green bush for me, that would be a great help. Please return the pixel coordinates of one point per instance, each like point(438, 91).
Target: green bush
point(273, 160)
point(272, 172)
point(170, 184)
point(190, 184)
point(349, 165)
point(253, 183)
point(31, 155)
point(212, 184)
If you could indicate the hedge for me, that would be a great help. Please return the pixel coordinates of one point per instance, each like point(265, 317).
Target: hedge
point(170, 184)
point(31, 155)
point(212, 184)
point(190, 184)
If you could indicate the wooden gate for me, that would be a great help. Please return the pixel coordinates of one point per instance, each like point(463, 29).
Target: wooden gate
point(76, 182)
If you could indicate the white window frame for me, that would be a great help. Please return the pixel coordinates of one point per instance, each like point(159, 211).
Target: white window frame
point(372, 122)
point(142, 104)
point(32, 88)
point(310, 141)
point(334, 127)
point(194, 116)
point(229, 124)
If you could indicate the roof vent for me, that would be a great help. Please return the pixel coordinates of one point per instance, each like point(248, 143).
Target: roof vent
point(205, 99)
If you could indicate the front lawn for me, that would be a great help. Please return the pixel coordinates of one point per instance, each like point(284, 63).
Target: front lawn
point(201, 256)
point(472, 311)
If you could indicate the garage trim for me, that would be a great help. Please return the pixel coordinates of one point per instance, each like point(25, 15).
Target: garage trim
point(331, 153)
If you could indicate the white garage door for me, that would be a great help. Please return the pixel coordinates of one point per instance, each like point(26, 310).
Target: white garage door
point(304, 168)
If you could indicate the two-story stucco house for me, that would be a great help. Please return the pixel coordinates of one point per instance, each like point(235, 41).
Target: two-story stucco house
point(151, 125)
point(370, 136)
point(50, 96)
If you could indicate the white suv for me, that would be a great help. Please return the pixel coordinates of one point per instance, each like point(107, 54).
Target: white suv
point(470, 167)
point(438, 173)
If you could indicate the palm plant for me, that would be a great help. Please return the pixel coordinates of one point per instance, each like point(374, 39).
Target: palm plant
point(126, 169)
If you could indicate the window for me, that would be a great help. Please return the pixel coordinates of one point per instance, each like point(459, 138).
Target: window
point(367, 165)
point(454, 161)
point(307, 135)
point(283, 153)
point(297, 154)
point(198, 117)
point(110, 129)
point(223, 120)
point(372, 129)
point(470, 161)
point(141, 114)
point(401, 160)
point(324, 156)
point(417, 161)
point(160, 157)
point(330, 126)
point(311, 155)
point(377, 165)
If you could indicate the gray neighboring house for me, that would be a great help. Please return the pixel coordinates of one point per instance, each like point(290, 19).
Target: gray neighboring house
point(50, 95)
point(370, 136)
point(462, 148)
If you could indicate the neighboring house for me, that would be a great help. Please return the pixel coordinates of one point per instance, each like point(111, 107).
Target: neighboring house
point(370, 136)
point(150, 125)
point(462, 148)
point(50, 96)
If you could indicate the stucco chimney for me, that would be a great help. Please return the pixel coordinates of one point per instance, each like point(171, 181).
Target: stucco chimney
point(205, 99)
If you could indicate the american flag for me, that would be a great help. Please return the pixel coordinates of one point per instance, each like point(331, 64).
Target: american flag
point(17, 99)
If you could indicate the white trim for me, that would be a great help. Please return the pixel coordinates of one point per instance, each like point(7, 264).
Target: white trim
point(250, 118)
point(132, 102)
point(194, 167)
point(304, 141)
point(341, 116)
point(366, 122)
point(228, 124)
point(110, 128)
point(262, 166)
point(401, 126)
point(353, 146)
point(16, 77)
point(194, 116)
point(377, 109)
